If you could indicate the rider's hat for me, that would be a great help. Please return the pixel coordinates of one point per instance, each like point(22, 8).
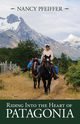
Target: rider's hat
point(47, 45)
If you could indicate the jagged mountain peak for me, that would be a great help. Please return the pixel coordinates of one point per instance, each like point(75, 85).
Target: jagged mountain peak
point(12, 18)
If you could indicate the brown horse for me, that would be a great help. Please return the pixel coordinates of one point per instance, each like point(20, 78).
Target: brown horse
point(46, 73)
point(35, 74)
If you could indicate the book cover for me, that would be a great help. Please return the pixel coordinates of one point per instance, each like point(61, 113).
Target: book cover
point(39, 61)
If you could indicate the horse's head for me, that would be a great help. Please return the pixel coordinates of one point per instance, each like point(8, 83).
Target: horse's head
point(47, 58)
point(35, 65)
point(46, 61)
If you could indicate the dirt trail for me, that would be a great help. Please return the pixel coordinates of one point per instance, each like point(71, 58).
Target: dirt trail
point(21, 87)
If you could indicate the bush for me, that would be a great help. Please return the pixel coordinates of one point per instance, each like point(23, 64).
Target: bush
point(73, 75)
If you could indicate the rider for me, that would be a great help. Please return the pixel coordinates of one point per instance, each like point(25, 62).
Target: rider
point(47, 52)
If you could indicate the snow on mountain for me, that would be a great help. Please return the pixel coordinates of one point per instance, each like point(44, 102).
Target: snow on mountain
point(72, 41)
point(9, 23)
point(72, 38)
point(13, 29)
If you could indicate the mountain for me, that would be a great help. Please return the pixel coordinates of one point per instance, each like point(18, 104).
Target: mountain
point(72, 41)
point(13, 29)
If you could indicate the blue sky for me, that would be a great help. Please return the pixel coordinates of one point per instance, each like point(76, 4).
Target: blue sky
point(57, 25)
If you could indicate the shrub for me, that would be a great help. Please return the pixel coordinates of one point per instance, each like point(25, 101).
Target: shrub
point(73, 75)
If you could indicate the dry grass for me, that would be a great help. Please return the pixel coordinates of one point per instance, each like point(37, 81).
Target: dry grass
point(1, 85)
point(21, 87)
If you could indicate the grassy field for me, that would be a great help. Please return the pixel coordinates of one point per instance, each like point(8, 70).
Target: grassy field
point(21, 87)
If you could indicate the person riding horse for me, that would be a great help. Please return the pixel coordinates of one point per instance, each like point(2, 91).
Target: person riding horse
point(47, 57)
point(46, 72)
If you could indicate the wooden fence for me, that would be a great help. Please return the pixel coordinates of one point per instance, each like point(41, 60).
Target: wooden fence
point(5, 67)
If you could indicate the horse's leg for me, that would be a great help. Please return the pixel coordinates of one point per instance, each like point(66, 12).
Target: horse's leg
point(49, 84)
point(39, 82)
point(45, 87)
point(35, 83)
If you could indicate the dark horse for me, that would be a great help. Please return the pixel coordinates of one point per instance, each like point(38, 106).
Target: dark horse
point(35, 74)
point(46, 73)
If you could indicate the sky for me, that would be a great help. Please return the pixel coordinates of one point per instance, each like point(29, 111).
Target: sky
point(57, 25)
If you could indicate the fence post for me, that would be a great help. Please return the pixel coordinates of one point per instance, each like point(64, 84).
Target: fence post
point(5, 66)
point(10, 66)
point(2, 68)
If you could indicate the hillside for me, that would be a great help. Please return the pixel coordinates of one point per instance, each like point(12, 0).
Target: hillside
point(21, 87)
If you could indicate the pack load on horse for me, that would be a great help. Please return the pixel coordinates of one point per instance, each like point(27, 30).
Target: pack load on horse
point(29, 66)
point(35, 72)
point(56, 69)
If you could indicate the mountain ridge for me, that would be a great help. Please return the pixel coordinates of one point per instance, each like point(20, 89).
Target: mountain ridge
point(17, 30)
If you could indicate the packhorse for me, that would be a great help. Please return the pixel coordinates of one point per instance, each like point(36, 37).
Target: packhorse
point(46, 73)
point(35, 74)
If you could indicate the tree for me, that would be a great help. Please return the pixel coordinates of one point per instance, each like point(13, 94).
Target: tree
point(65, 62)
point(25, 51)
point(4, 54)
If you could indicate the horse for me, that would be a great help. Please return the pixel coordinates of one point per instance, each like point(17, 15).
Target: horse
point(35, 74)
point(46, 73)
